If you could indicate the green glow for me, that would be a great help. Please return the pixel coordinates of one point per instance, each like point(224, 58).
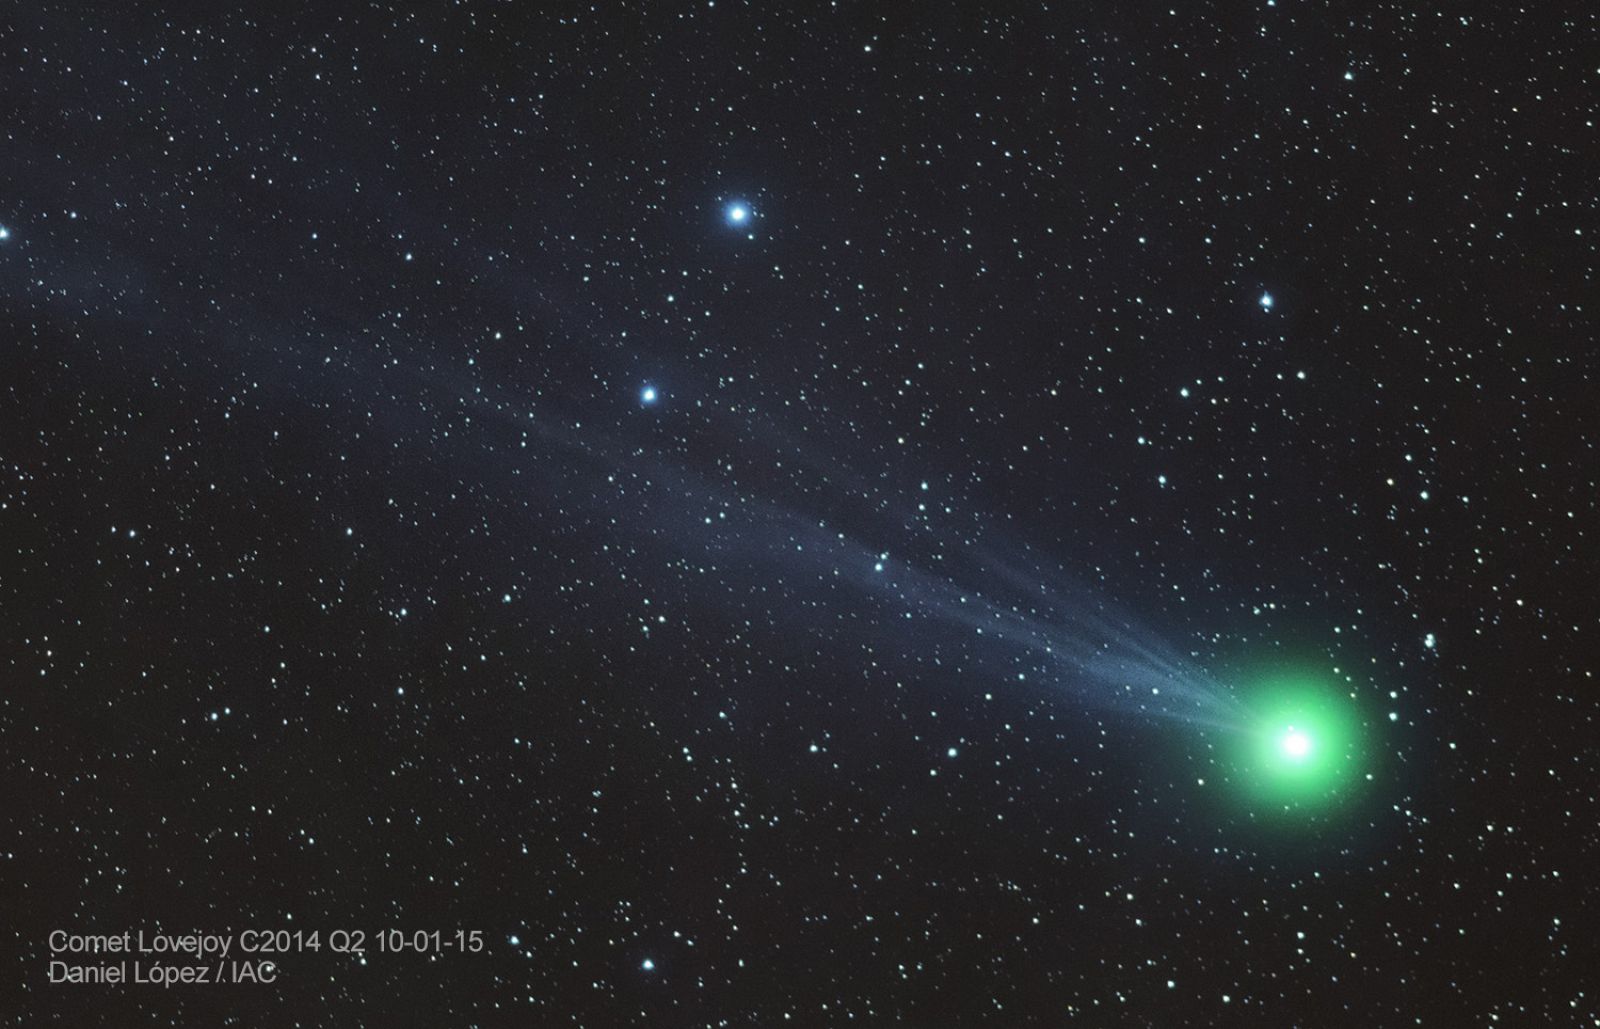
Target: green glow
point(1299, 751)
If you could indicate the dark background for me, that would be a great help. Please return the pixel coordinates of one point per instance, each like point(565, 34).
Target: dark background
point(993, 246)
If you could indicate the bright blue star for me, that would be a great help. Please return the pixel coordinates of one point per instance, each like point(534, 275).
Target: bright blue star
point(5, 233)
point(1266, 301)
point(737, 213)
point(647, 395)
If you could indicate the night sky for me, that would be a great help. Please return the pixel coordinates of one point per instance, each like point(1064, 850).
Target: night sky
point(785, 514)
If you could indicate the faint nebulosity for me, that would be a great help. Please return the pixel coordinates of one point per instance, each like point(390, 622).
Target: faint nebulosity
point(854, 514)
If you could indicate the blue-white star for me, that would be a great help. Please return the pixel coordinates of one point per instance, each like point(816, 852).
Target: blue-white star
point(1266, 301)
point(647, 395)
point(738, 214)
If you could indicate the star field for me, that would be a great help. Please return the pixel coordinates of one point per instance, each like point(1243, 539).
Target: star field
point(805, 514)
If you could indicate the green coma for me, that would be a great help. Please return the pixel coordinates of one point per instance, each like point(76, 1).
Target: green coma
point(1299, 750)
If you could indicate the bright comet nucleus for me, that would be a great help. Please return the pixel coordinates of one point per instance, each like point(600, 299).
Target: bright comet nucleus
point(1300, 747)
